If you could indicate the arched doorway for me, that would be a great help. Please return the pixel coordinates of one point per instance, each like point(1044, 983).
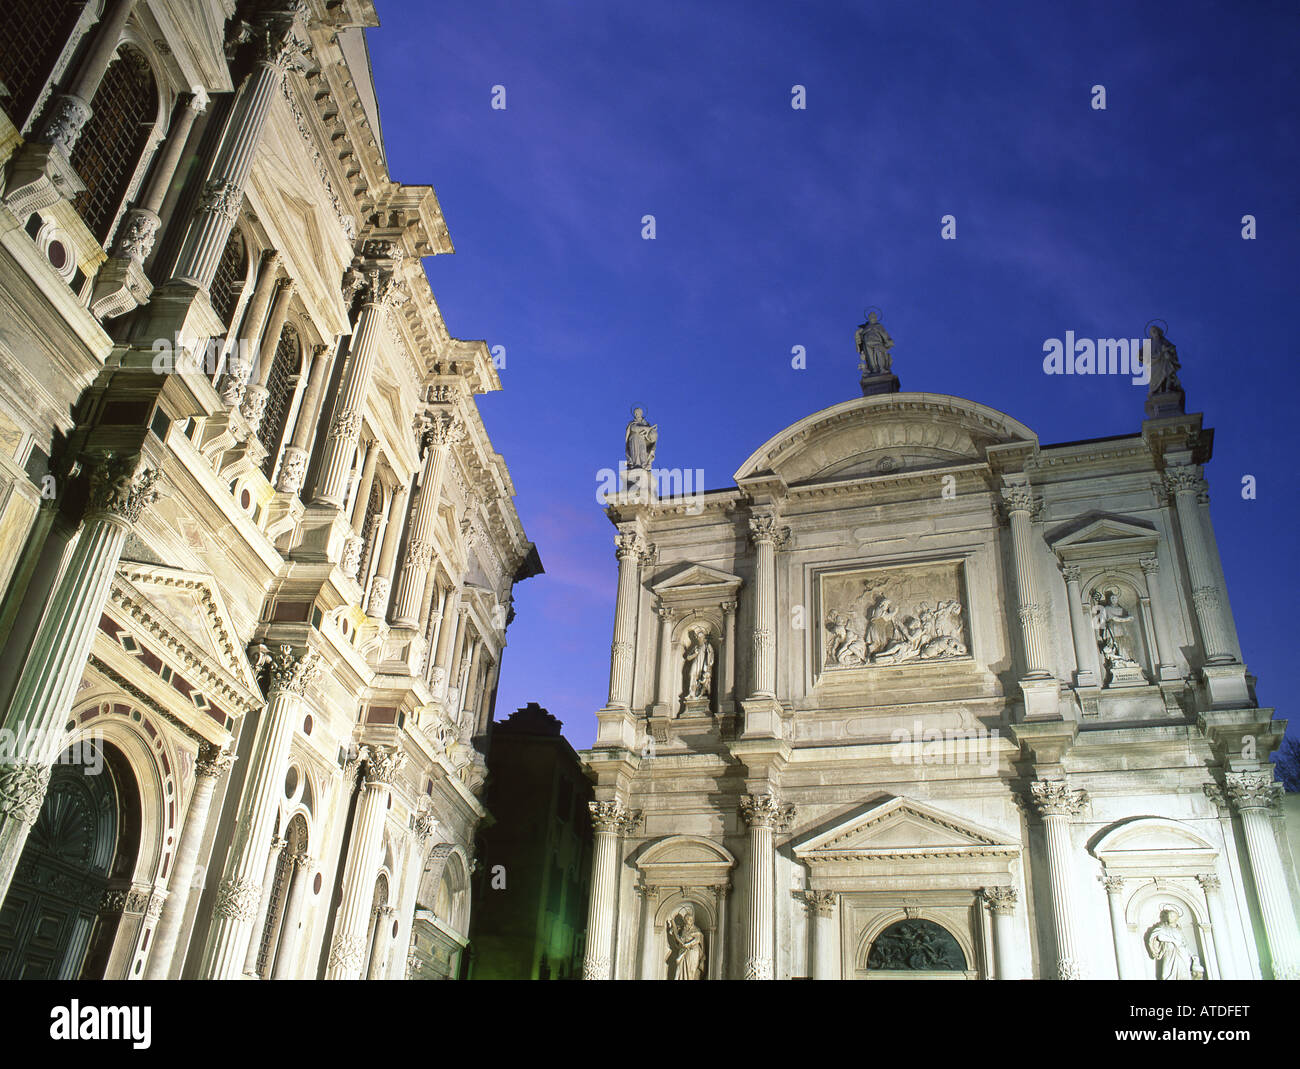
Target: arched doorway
point(85, 839)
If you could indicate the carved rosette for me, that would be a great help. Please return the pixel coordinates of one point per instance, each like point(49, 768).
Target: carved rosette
point(818, 903)
point(68, 115)
point(1252, 790)
point(22, 790)
point(613, 818)
point(765, 810)
point(292, 671)
point(293, 469)
point(238, 900)
point(383, 764)
point(118, 487)
point(213, 760)
point(1055, 798)
point(1000, 899)
point(1184, 479)
point(136, 235)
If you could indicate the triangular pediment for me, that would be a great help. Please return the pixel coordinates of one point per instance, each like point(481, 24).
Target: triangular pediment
point(901, 827)
point(184, 612)
point(1103, 530)
point(694, 577)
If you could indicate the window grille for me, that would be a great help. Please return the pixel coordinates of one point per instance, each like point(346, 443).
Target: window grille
point(231, 272)
point(111, 143)
point(280, 387)
point(32, 35)
point(370, 526)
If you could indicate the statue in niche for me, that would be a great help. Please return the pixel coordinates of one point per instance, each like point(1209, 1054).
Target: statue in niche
point(699, 666)
point(1113, 624)
point(1164, 363)
point(874, 343)
point(641, 439)
point(686, 946)
point(1168, 949)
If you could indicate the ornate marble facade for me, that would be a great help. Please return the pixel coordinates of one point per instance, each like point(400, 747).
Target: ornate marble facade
point(978, 700)
point(252, 529)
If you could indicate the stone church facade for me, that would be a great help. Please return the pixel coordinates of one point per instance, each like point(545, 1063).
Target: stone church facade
point(923, 696)
point(257, 551)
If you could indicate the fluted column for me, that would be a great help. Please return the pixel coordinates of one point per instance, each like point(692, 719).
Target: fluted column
point(666, 698)
point(1185, 485)
point(448, 641)
point(439, 432)
point(1001, 902)
point(379, 589)
point(1162, 646)
point(728, 656)
point(1223, 949)
point(351, 562)
point(253, 406)
point(378, 969)
point(377, 276)
point(821, 943)
point(1252, 795)
point(119, 493)
point(348, 952)
point(649, 931)
point(291, 674)
point(300, 880)
point(263, 908)
point(764, 814)
point(767, 536)
point(1085, 643)
point(281, 43)
point(297, 454)
point(630, 548)
point(610, 820)
point(1019, 500)
point(212, 763)
point(1057, 803)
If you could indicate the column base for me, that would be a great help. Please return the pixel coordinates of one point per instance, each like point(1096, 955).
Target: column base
point(1042, 699)
point(616, 729)
point(764, 718)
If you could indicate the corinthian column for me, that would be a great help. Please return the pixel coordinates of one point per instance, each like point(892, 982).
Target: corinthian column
point(286, 954)
point(348, 952)
point(821, 946)
point(239, 364)
point(212, 763)
point(382, 584)
point(1118, 929)
point(281, 44)
point(1085, 642)
point(1253, 794)
point(1002, 904)
point(253, 406)
point(297, 454)
point(1057, 802)
point(1019, 499)
point(1155, 619)
point(1185, 485)
point(764, 814)
point(438, 432)
point(631, 549)
point(767, 536)
point(377, 276)
point(238, 898)
point(1223, 950)
point(610, 821)
point(667, 699)
point(119, 493)
point(649, 931)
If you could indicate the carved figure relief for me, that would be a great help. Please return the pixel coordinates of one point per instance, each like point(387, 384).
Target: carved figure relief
point(892, 616)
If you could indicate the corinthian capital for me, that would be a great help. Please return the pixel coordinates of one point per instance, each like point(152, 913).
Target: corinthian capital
point(1018, 497)
point(1185, 478)
point(1000, 899)
point(292, 671)
point(766, 810)
point(630, 544)
point(614, 817)
point(1252, 790)
point(1055, 797)
point(441, 429)
point(766, 527)
point(383, 764)
point(213, 760)
point(280, 37)
point(119, 487)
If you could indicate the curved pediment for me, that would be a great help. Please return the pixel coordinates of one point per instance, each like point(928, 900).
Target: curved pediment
point(882, 435)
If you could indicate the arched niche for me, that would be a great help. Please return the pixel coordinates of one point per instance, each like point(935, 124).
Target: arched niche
point(903, 944)
point(674, 872)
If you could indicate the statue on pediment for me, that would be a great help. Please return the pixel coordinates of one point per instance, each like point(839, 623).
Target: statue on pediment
point(641, 439)
point(1164, 363)
point(686, 946)
point(874, 343)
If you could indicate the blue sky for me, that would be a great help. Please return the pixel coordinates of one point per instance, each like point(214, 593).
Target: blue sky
point(776, 227)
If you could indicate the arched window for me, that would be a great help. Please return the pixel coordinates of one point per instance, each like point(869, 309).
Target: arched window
point(273, 935)
point(280, 387)
point(916, 946)
point(32, 35)
point(370, 526)
point(110, 146)
point(232, 270)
